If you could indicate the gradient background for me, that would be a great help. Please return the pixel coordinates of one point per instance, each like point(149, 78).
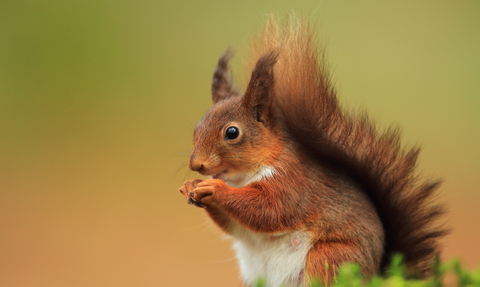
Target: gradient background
point(98, 100)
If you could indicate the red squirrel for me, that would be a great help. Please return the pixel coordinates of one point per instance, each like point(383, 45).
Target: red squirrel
point(301, 185)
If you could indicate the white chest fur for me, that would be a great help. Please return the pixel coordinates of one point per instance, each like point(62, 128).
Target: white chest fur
point(278, 259)
point(242, 179)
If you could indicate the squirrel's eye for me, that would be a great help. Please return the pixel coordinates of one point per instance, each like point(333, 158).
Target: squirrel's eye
point(232, 133)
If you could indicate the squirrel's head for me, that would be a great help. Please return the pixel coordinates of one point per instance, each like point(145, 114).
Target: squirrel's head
point(237, 135)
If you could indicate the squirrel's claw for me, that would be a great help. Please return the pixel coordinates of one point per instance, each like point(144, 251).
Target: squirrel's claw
point(187, 190)
point(192, 200)
point(196, 191)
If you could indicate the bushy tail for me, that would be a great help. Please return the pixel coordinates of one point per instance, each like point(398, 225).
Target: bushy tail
point(350, 141)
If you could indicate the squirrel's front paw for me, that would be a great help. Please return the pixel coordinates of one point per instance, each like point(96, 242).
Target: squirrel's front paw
point(205, 191)
point(187, 187)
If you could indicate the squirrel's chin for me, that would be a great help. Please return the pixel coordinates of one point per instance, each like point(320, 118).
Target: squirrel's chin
point(219, 176)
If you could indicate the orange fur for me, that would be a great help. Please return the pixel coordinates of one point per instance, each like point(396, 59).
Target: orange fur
point(300, 163)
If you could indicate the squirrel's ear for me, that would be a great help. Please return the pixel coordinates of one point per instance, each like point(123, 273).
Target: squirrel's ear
point(222, 83)
point(260, 90)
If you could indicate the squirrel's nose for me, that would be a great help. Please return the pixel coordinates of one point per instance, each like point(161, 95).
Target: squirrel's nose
point(195, 165)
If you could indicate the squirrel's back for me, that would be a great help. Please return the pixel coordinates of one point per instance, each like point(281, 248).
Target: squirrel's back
point(350, 142)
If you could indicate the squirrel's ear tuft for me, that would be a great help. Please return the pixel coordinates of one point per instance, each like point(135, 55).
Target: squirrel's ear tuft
point(222, 83)
point(260, 91)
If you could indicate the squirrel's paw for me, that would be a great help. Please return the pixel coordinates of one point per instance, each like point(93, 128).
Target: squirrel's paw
point(205, 190)
point(187, 187)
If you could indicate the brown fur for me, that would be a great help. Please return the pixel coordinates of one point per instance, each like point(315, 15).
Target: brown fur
point(351, 187)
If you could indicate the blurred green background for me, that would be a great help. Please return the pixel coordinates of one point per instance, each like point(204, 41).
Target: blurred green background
point(98, 100)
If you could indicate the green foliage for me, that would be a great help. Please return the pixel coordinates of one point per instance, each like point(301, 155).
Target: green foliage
point(349, 275)
point(465, 277)
point(260, 283)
